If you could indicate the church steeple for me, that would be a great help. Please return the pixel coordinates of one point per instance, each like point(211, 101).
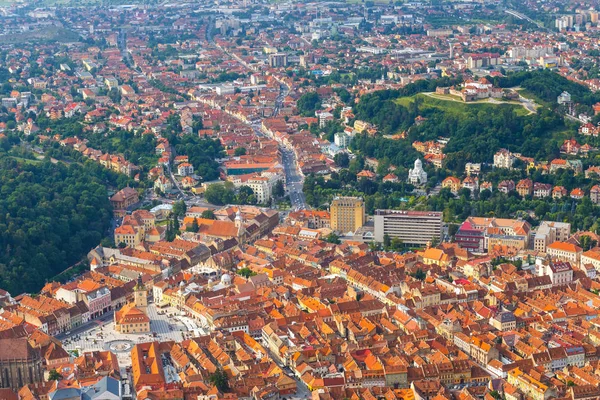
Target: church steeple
point(239, 224)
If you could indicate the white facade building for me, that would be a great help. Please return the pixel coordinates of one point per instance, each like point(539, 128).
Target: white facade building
point(417, 175)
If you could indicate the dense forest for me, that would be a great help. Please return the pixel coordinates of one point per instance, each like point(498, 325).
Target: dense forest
point(50, 216)
point(474, 135)
point(547, 86)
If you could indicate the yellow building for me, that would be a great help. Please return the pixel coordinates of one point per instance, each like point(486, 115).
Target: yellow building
point(347, 214)
point(133, 317)
point(532, 388)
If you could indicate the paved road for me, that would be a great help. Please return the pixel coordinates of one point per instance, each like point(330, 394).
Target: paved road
point(294, 181)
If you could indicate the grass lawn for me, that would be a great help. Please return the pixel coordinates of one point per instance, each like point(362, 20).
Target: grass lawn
point(453, 104)
point(25, 160)
point(528, 95)
point(48, 34)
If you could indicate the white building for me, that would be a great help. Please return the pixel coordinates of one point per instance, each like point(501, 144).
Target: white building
point(261, 187)
point(417, 175)
point(504, 159)
point(324, 117)
point(560, 273)
point(564, 251)
point(185, 169)
point(412, 227)
point(341, 139)
point(163, 184)
point(563, 98)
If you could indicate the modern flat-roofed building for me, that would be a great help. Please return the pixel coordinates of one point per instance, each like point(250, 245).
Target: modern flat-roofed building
point(549, 232)
point(412, 227)
point(347, 214)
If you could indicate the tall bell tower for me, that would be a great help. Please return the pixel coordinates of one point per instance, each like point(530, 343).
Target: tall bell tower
point(140, 295)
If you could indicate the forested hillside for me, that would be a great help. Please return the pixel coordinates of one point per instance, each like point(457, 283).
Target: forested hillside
point(50, 216)
point(476, 131)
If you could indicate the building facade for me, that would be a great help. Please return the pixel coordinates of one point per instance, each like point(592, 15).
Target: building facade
point(347, 214)
point(20, 364)
point(412, 227)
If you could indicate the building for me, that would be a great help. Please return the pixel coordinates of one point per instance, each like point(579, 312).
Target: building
point(549, 232)
point(185, 169)
point(278, 60)
point(591, 257)
point(542, 190)
point(564, 98)
point(472, 169)
point(595, 194)
point(107, 388)
point(412, 227)
point(262, 187)
point(477, 234)
point(138, 227)
point(525, 187)
point(347, 214)
point(124, 198)
point(565, 251)
point(504, 321)
point(506, 186)
point(504, 159)
point(452, 183)
point(531, 387)
point(133, 317)
point(147, 367)
point(342, 140)
point(20, 363)
point(417, 175)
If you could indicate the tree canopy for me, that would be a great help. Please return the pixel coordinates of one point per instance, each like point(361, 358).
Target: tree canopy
point(50, 216)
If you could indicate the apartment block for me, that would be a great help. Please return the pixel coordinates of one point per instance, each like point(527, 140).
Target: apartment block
point(549, 232)
point(412, 227)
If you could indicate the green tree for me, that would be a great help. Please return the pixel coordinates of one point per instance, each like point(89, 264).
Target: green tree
point(387, 241)
point(208, 214)
point(194, 227)
point(587, 242)
point(240, 151)
point(308, 103)
point(179, 208)
point(333, 238)
point(278, 189)
point(54, 375)
point(220, 193)
point(245, 194)
point(419, 274)
point(246, 272)
point(342, 159)
point(220, 380)
point(50, 216)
